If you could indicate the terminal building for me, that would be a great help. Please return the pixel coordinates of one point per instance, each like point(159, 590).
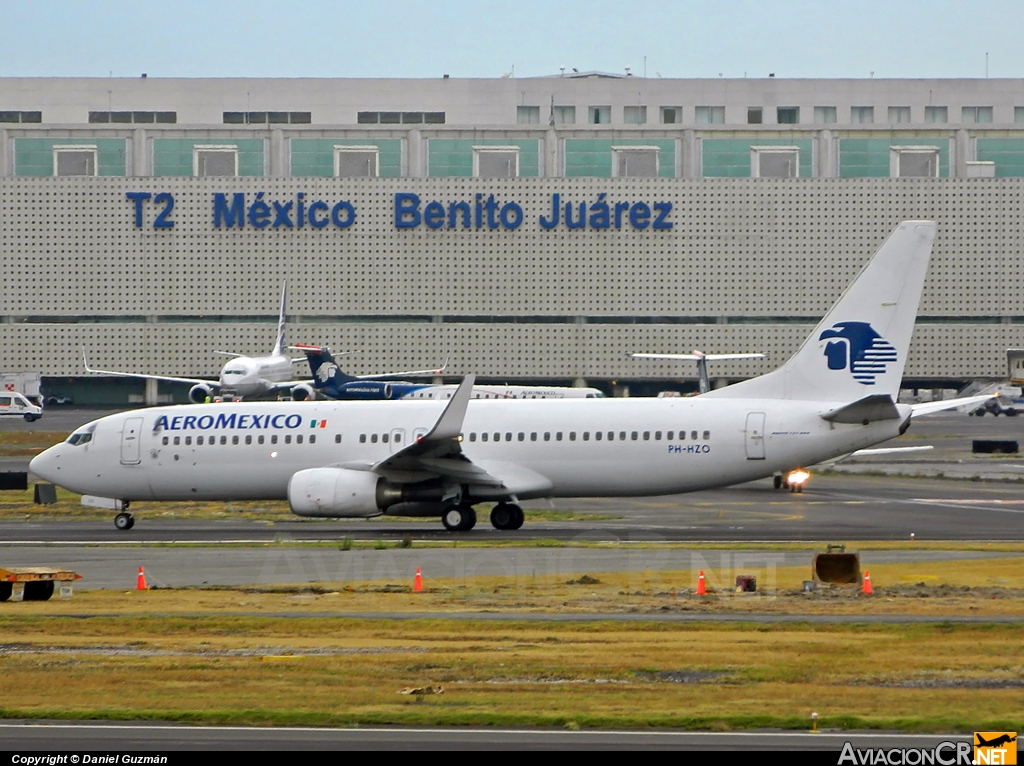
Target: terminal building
point(537, 229)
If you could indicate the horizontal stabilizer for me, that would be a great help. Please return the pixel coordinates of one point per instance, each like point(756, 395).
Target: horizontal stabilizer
point(867, 410)
point(927, 408)
point(889, 450)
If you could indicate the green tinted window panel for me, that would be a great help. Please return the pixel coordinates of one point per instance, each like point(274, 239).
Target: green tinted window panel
point(34, 156)
point(173, 156)
point(869, 157)
point(592, 157)
point(315, 156)
point(730, 157)
point(453, 157)
point(1007, 153)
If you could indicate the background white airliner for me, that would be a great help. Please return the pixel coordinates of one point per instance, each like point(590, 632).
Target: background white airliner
point(242, 376)
point(837, 394)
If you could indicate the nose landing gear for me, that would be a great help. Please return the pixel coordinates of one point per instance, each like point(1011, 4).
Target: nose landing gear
point(125, 520)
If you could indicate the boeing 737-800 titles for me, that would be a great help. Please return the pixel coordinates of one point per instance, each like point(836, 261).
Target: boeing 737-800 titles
point(837, 394)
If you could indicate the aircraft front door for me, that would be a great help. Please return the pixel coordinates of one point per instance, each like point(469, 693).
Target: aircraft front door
point(755, 436)
point(130, 439)
point(397, 439)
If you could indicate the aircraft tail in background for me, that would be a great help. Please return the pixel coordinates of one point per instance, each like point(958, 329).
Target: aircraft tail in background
point(279, 346)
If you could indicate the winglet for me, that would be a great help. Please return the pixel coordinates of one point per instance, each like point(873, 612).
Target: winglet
point(85, 361)
point(449, 425)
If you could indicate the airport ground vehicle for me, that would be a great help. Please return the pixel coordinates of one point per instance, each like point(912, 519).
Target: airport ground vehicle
point(28, 384)
point(15, 405)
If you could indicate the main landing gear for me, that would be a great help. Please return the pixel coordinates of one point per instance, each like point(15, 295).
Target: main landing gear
point(460, 518)
point(507, 516)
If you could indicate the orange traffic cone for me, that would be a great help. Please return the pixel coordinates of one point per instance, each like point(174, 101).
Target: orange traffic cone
point(141, 585)
point(867, 583)
point(417, 583)
point(701, 588)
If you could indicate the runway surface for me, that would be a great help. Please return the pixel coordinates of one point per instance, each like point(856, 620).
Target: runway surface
point(833, 507)
point(88, 736)
point(117, 566)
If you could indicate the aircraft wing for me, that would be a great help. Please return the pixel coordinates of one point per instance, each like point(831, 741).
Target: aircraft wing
point(407, 373)
point(287, 385)
point(168, 378)
point(927, 408)
point(439, 454)
point(698, 357)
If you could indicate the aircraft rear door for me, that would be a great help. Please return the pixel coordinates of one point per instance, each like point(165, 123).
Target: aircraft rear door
point(397, 439)
point(755, 436)
point(130, 439)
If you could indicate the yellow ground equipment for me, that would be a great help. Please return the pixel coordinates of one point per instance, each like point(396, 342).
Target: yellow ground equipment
point(35, 583)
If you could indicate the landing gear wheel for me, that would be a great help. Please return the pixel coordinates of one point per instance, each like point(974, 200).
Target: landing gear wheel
point(777, 481)
point(124, 521)
point(507, 516)
point(461, 518)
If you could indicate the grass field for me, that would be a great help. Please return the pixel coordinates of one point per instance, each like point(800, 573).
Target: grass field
point(277, 655)
point(346, 671)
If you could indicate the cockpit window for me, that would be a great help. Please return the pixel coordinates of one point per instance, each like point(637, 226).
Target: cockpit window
point(79, 439)
point(234, 372)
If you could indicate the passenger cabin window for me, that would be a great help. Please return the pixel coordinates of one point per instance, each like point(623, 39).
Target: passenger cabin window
point(248, 439)
point(647, 436)
point(669, 435)
point(224, 439)
point(558, 436)
point(586, 436)
point(312, 438)
point(693, 435)
point(622, 436)
point(273, 439)
point(384, 438)
point(298, 439)
point(533, 436)
point(234, 439)
point(547, 436)
point(598, 435)
point(165, 440)
point(634, 436)
point(522, 436)
point(337, 438)
point(483, 437)
point(707, 435)
point(188, 440)
point(199, 440)
point(260, 438)
point(362, 438)
point(657, 436)
point(508, 437)
point(472, 437)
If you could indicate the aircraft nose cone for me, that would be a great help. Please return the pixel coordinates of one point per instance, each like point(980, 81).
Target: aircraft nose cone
point(44, 465)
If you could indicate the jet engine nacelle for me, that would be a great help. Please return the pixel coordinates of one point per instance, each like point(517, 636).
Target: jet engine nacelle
point(339, 492)
point(200, 392)
point(304, 393)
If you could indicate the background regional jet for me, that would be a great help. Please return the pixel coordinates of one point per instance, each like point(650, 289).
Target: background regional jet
point(837, 394)
point(330, 382)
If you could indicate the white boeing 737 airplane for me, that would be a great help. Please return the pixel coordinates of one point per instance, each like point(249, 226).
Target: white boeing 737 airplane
point(837, 394)
point(243, 376)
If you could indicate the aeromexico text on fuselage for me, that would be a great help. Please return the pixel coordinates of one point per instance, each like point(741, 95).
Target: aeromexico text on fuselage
point(238, 421)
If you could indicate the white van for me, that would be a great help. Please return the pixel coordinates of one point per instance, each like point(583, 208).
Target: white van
point(13, 404)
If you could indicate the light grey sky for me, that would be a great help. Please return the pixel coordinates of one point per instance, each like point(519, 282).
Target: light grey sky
point(311, 38)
